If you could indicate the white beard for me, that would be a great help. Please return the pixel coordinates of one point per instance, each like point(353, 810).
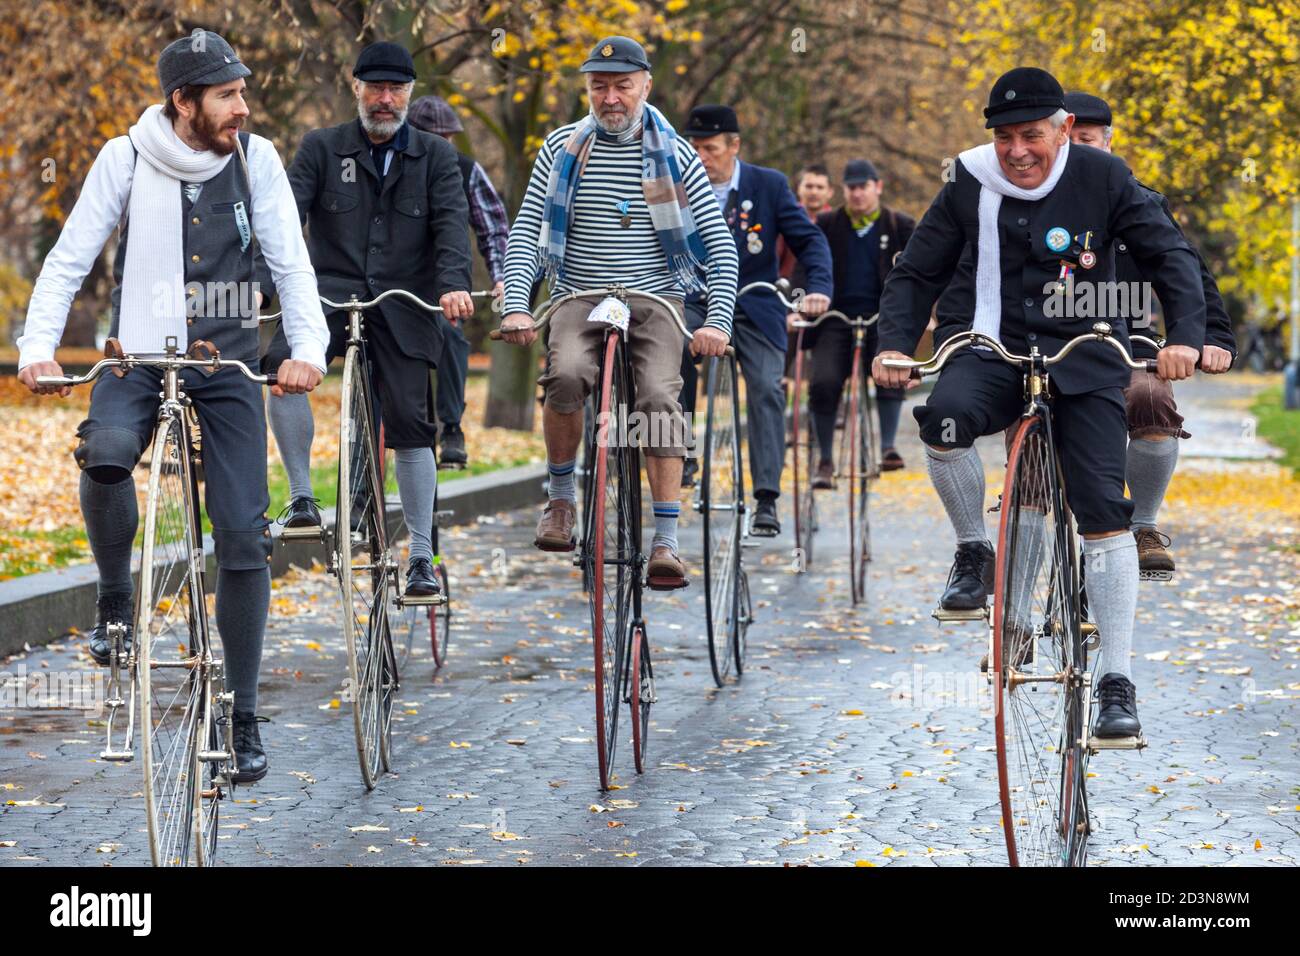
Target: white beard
point(381, 130)
point(620, 123)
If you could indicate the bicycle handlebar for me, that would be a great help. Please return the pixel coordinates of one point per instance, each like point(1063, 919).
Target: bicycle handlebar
point(129, 362)
point(859, 322)
point(1101, 332)
point(354, 304)
point(622, 293)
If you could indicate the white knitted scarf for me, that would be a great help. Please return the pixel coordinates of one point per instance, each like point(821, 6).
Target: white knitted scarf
point(153, 277)
point(982, 163)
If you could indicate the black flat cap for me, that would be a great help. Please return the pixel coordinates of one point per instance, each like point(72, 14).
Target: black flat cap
point(858, 171)
point(384, 62)
point(711, 120)
point(203, 58)
point(616, 55)
point(1088, 109)
point(1023, 95)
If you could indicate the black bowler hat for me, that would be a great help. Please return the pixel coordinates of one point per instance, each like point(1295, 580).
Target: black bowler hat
point(711, 120)
point(1023, 95)
point(1088, 108)
point(384, 62)
point(858, 171)
point(616, 55)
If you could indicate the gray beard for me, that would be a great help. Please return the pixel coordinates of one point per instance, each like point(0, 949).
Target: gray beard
point(381, 130)
point(621, 123)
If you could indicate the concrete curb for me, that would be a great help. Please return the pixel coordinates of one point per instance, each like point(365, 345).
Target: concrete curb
point(40, 608)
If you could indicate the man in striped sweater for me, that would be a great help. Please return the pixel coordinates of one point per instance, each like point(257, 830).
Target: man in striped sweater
point(618, 198)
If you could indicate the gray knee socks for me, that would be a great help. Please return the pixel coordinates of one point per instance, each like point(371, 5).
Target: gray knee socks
point(1111, 577)
point(417, 480)
point(1149, 467)
point(958, 477)
point(111, 517)
point(243, 600)
point(294, 428)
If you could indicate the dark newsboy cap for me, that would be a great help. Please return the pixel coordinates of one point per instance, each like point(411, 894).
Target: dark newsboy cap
point(1088, 108)
point(1023, 95)
point(616, 55)
point(384, 62)
point(203, 58)
point(858, 171)
point(433, 114)
point(711, 120)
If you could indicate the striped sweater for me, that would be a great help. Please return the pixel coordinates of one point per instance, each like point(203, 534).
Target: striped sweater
point(599, 251)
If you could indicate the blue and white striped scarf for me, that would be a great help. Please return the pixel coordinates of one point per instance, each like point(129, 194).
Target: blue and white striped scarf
point(665, 196)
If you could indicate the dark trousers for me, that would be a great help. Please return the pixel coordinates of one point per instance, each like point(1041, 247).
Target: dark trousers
point(453, 368)
point(976, 396)
point(120, 423)
point(401, 383)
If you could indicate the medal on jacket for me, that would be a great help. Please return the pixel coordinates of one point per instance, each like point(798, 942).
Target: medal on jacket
point(754, 243)
point(1087, 258)
point(626, 219)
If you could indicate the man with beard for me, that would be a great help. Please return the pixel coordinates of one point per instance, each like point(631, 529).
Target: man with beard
point(618, 198)
point(189, 209)
point(384, 209)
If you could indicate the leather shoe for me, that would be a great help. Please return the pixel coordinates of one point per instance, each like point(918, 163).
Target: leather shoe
point(665, 571)
point(970, 579)
point(112, 609)
point(555, 529)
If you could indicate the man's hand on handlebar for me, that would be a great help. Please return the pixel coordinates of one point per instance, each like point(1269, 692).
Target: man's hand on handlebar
point(1176, 362)
point(457, 306)
point(517, 329)
point(295, 377)
point(709, 341)
point(1215, 360)
point(892, 377)
point(791, 318)
point(814, 304)
point(28, 377)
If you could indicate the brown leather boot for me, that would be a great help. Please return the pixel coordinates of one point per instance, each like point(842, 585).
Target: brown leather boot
point(1153, 550)
point(825, 477)
point(665, 571)
point(555, 529)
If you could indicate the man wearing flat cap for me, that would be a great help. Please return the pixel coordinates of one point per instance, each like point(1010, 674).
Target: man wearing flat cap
point(759, 208)
point(618, 198)
point(866, 238)
point(196, 199)
point(1153, 419)
point(1015, 215)
point(385, 209)
point(487, 214)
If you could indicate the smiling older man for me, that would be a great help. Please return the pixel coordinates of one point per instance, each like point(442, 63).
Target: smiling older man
point(618, 198)
point(993, 242)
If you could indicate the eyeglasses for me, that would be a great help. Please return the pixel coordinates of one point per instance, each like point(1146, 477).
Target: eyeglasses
point(396, 89)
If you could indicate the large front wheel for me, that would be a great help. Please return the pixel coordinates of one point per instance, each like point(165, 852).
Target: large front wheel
point(365, 570)
point(722, 496)
point(611, 548)
point(1038, 662)
point(174, 665)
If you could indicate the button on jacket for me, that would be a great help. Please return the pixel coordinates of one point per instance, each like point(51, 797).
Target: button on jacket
point(1096, 193)
point(410, 233)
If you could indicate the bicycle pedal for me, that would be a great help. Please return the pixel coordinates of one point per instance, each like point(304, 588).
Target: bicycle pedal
point(440, 515)
point(1155, 575)
point(213, 756)
point(746, 543)
point(117, 756)
point(959, 615)
point(452, 466)
point(667, 584)
point(421, 600)
point(1096, 744)
point(308, 533)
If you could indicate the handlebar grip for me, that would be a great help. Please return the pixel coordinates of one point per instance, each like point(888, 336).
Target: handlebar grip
point(495, 335)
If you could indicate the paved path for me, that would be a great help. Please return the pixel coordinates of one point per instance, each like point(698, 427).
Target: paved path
point(854, 735)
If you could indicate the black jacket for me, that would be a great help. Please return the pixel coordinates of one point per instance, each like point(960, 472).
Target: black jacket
point(1218, 325)
point(1096, 193)
point(413, 235)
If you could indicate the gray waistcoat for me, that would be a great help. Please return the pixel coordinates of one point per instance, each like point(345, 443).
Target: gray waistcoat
point(219, 275)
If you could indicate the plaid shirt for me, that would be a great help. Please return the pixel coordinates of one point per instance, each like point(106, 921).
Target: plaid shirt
point(491, 225)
